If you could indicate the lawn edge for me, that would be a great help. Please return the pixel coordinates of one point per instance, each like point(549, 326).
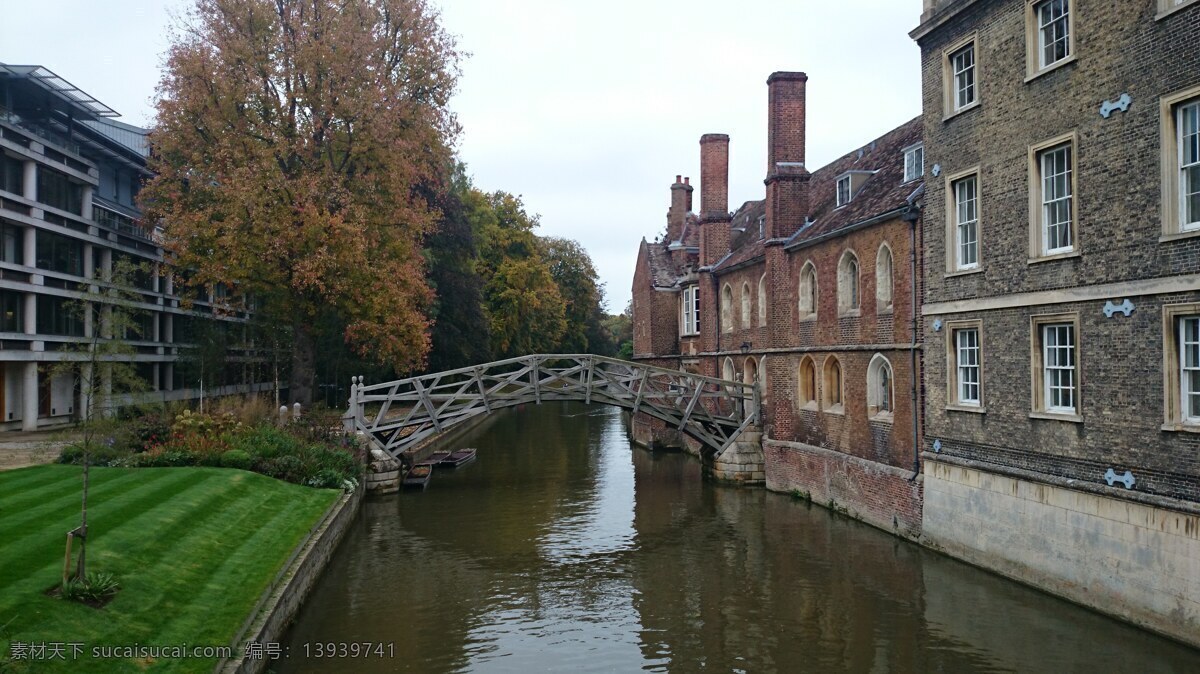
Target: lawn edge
point(282, 599)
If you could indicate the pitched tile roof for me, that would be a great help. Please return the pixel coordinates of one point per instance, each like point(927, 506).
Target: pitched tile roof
point(882, 192)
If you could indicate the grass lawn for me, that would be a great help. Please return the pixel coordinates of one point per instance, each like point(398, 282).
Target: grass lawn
point(193, 548)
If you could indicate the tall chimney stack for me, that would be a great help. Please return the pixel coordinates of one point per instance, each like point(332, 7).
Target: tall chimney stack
point(714, 197)
point(681, 195)
point(787, 177)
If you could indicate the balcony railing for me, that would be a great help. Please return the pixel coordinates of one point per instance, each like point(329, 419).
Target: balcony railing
point(52, 137)
point(120, 223)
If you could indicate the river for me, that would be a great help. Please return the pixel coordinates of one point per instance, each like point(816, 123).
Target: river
point(563, 548)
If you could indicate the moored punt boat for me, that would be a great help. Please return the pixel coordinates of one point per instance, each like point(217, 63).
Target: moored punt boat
point(418, 476)
point(436, 458)
point(460, 457)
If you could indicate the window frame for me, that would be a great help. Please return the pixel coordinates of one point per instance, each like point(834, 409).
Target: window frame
point(726, 308)
point(950, 107)
point(1174, 418)
point(689, 309)
point(747, 308)
point(1169, 7)
point(807, 399)
point(1038, 226)
point(909, 152)
point(884, 285)
point(1041, 409)
point(954, 399)
point(849, 194)
point(807, 271)
point(875, 412)
point(954, 246)
point(1170, 141)
point(849, 286)
point(762, 301)
point(1034, 49)
point(828, 368)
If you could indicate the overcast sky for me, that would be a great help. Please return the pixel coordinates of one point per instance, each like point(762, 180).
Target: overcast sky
point(586, 109)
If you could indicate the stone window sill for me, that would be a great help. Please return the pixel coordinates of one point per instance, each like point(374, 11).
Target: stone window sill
point(881, 417)
point(973, 409)
point(808, 318)
point(1056, 256)
point(886, 311)
point(836, 409)
point(1050, 68)
point(964, 272)
point(811, 406)
point(1171, 10)
point(966, 108)
point(1175, 236)
point(1179, 427)
point(1057, 416)
point(850, 313)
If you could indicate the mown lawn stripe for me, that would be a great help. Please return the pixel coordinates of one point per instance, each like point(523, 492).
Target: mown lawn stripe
point(194, 548)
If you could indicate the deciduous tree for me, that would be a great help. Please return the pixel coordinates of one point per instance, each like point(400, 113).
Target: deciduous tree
point(291, 143)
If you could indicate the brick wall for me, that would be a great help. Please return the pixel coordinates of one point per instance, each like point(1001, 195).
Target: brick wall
point(877, 494)
point(1119, 48)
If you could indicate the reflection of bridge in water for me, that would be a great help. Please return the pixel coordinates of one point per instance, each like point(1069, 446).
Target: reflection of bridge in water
point(399, 414)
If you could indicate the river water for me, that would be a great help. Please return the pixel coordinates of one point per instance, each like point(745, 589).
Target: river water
point(563, 548)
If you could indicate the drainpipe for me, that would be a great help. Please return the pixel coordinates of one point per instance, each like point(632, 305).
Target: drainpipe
point(911, 215)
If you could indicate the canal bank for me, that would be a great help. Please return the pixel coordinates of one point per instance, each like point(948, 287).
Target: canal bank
point(561, 546)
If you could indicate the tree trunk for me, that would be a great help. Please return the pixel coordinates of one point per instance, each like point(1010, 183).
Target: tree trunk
point(304, 361)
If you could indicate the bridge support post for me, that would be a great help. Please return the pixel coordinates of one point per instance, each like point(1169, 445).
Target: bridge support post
point(743, 463)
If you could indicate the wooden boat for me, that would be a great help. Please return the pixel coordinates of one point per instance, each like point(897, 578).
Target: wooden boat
point(418, 476)
point(436, 458)
point(460, 457)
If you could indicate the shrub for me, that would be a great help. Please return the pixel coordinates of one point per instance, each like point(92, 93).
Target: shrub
point(148, 430)
point(188, 423)
point(96, 588)
point(102, 454)
point(288, 467)
point(236, 458)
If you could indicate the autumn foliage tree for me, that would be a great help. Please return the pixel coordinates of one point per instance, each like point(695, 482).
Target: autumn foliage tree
point(293, 142)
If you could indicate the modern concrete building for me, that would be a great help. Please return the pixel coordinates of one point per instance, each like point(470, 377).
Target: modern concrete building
point(69, 176)
point(1062, 297)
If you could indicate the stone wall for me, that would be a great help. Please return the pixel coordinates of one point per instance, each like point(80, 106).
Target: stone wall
point(878, 494)
point(1136, 560)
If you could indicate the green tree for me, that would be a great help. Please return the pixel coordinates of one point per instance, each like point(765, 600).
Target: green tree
point(573, 272)
point(460, 328)
point(525, 311)
point(291, 143)
point(620, 330)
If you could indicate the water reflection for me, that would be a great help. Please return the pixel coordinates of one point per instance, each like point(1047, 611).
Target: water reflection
point(560, 547)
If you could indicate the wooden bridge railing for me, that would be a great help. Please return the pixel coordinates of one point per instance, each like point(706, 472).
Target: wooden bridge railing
point(399, 414)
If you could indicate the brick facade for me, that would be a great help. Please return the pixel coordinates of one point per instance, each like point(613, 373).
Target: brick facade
point(1119, 249)
point(849, 449)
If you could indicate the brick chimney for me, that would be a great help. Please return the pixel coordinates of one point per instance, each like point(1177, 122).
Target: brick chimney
point(714, 197)
point(681, 198)
point(787, 177)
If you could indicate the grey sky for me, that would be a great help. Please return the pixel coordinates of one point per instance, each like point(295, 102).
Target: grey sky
point(588, 110)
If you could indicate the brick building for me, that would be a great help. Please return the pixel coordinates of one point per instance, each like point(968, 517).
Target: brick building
point(1062, 297)
point(810, 291)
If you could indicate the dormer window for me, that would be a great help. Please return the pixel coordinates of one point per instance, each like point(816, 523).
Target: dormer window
point(914, 162)
point(849, 183)
point(843, 190)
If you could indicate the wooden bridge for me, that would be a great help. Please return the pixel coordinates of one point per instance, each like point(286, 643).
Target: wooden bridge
point(399, 414)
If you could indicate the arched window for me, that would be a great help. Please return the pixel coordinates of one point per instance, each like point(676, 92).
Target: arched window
point(762, 300)
point(808, 290)
point(831, 385)
point(745, 305)
point(883, 279)
point(750, 376)
point(727, 371)
point(727, 308)
point(848, 284)
point(808, 383)
point(880, 389)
